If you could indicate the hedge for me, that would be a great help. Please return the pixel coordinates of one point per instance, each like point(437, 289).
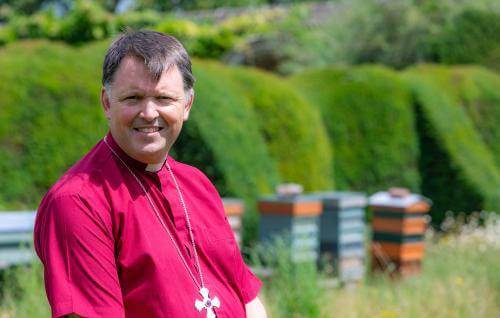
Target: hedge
point(51, 116)
point(477, 91)
point(458, 170)
point(293, 129)
point(369, 118)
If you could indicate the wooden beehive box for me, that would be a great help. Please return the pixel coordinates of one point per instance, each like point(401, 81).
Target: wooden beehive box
point(234, 209)
point(399, 224)
point(294, 218)
point(342, 232)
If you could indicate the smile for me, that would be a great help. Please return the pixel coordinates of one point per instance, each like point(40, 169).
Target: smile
point(148, 129)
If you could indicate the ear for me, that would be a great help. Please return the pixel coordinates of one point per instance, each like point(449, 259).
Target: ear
point(105, 102)
point(187, 107)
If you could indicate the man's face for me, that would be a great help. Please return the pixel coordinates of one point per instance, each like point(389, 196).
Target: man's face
point(145, 116)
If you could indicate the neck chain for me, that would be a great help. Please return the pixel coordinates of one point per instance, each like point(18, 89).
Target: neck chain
point(206, 303)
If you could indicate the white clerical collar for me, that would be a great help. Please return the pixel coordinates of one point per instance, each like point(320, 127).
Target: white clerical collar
point(154, 167)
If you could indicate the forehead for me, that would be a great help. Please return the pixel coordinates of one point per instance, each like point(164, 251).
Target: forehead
point(132, 73)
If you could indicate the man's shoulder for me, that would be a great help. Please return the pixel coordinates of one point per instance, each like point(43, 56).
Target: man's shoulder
point(84, 174)
point(187, 171)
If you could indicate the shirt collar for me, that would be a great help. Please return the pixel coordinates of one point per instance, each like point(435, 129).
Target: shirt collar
point(131, 162)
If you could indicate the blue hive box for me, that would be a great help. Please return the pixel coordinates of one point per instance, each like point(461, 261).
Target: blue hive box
point(294, 219)
point(342, 232)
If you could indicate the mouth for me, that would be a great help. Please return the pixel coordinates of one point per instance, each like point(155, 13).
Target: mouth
point(148, 130)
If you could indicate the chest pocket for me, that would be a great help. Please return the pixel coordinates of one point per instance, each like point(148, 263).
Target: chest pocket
point(221, 250)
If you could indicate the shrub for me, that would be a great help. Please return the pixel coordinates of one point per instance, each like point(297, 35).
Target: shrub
point(458, 171)
point(369, 118)
point(292, 128)
point(472, 37)
point(477, 91)
point(86, 22)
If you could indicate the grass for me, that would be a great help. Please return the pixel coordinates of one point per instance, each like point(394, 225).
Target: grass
point(460, 278)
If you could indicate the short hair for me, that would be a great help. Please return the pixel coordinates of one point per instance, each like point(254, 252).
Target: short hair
point(158, 51)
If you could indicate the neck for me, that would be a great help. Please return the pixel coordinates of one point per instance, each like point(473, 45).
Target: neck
point(154, 167)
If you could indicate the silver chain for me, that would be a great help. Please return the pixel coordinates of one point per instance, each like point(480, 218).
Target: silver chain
point(188, 222)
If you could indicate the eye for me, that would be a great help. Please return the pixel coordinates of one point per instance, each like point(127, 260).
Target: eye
point(132, 97)
point(164, 98)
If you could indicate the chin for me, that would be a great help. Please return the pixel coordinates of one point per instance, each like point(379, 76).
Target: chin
point(152, 153)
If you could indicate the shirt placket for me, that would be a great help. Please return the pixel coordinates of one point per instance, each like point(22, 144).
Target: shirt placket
point(171, 197)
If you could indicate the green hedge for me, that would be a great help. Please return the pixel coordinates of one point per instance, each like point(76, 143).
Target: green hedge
point(368, 115)
point(292, 128)
point(51, 116)
point(458, 170)
point(477, 90)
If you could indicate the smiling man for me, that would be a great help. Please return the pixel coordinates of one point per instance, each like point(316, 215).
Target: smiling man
point(128, 231)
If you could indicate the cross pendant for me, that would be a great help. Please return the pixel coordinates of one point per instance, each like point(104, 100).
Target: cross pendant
point(207, 303)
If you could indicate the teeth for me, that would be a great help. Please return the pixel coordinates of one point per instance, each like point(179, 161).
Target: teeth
point(149, 129)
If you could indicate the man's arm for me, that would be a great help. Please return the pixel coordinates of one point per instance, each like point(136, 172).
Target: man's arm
point(76, 246)
point(255, 309)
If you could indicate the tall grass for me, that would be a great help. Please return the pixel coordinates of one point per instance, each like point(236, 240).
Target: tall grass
point(460, 278)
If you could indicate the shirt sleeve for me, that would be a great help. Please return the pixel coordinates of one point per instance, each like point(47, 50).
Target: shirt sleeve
point(248, 284)
point(76, 247)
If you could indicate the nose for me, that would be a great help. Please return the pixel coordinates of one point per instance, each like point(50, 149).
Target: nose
point(149, 111)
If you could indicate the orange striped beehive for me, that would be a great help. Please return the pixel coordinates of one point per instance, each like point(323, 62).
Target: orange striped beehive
point(398, 226)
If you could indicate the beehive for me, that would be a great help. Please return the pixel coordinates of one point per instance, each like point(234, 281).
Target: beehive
point(342, 233)
point(295, 218)
point(399, 224)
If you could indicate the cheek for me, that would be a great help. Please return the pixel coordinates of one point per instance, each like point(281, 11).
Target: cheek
point(124, 116)
point(172, 116)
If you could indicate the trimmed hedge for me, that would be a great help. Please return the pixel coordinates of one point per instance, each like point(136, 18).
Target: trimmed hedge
point(50, 117)
point(292, 128)
point(368, 115)
point(477, 90)
point(458, 170)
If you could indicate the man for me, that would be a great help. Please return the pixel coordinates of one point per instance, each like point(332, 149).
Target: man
point(128, 231)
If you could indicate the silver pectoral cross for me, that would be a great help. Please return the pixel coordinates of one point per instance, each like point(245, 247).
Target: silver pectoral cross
point(207, 303)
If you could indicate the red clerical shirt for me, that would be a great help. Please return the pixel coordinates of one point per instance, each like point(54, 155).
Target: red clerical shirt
point(106, 254)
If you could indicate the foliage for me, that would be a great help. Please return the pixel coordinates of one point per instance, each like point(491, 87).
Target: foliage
point(23, 292)
point(477, 91)
point(369, 118)
point(38, 112)
point(86, 22)
point(288, 39)
point(458, 171)
point(472, 37)
point(292, 129)
point(293, 289)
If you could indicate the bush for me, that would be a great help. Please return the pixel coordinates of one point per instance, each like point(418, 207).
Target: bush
point(369, 118)
point(472, 37)
point(292, 128)
point(477, 91)
point(86, 22)
point(458, 171)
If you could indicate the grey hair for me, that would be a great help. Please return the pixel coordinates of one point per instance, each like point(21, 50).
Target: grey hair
point(158, 51)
